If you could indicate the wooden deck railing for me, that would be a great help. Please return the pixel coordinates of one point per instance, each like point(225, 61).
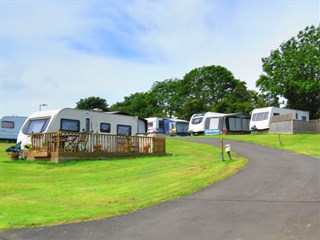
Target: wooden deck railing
point(93, 142)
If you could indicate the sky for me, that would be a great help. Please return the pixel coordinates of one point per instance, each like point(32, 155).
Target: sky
point(58, 52)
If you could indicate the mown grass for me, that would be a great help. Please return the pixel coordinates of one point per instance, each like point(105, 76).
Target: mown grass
point(308, 144)
point(38, 193)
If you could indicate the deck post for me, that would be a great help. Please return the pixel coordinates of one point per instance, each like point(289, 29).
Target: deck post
point(58, 142)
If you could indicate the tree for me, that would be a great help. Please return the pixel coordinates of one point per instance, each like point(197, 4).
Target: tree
point(293, 71)
point(209, 88)
point(204, 88)
point(239, 100)
point(91, 103)
point(137, 104)
point(166, 95)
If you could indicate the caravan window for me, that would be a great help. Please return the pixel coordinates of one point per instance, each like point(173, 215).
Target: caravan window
point(7, 124)
point(70, 125)
point(124, 130)
point(105, 127)
point(197, 120)
point(260, 116)
point(36, 126)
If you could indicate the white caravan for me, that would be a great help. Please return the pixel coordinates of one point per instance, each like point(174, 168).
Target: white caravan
point(197, 122)
point(74, 120)
point(10, 127)
point(261, 117)
point(155, 125)
point(212, 123)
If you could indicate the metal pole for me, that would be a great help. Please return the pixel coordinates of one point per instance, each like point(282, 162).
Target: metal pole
point(222, 149)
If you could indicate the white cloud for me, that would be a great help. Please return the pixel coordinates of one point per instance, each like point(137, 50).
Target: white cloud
point(59, 52)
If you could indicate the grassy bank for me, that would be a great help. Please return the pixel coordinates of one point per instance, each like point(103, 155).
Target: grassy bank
point(37, 193)
point(308, 144)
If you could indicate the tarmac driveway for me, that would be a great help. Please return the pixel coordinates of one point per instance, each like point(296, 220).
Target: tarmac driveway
point(276, 196)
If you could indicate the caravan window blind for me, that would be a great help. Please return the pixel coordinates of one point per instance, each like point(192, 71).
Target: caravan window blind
point(70, 125)
point(124, 130)
point(260, 116)
point(7, 124)
point(105, 127)
point(36, 126)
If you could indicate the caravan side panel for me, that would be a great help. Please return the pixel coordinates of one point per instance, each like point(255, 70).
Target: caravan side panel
point(142, 126)
point(261, 117)
point(10, 127)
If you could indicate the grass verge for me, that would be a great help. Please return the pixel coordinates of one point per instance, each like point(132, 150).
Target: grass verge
point(308, 144)
point(38, 193)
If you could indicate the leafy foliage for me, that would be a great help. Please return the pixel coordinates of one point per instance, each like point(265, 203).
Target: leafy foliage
point(138, 104)
point(293, 71)
point(239, 100)
point(91, 103)
point(214, 88)
point(209, 88)
point(167, 97)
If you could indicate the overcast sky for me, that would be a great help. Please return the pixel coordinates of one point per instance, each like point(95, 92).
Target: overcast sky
point(57, 52)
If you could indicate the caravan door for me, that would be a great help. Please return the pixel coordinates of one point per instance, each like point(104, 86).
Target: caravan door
point(87, 124)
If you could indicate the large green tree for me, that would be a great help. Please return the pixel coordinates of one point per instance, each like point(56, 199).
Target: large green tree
point(138, 104)
point(91, 103)
point(212, 88)
point(160, 101)
point(209, 88)
point(167, 97)
point(293, 71)
point(239, 100)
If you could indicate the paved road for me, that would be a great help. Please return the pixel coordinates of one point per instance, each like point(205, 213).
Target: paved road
point(277, 196)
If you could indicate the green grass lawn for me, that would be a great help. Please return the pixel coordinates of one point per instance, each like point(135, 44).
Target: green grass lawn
point(308, 144)
point(39, 193)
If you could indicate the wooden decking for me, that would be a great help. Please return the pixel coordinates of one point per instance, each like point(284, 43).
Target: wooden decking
point(66, 146)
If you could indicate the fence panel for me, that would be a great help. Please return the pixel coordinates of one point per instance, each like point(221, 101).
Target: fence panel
point(91, 142)
point(295, 126)
point(281, 118)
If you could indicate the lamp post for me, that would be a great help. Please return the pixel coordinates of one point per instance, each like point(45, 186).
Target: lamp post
point(43, 104)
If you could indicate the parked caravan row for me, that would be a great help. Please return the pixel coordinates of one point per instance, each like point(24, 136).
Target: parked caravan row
point(10, 127)
point(261, 117)
point(168, 126)
point(74, 120)
point(217, 123)
point(120, 123)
